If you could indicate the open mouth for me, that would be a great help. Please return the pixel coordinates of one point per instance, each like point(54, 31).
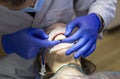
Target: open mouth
point(61, 46)
point(59, 36)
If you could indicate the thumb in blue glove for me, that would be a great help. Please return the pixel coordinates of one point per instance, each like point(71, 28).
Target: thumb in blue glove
point(27, 42)
point(86, 35)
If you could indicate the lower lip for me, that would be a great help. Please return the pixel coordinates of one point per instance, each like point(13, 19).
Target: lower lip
point(60, 47)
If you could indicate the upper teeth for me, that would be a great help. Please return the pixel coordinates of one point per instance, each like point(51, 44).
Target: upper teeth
point(59, 37)
point(55, 32)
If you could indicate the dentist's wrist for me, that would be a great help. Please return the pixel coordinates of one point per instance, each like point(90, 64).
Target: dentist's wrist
point(102, 23)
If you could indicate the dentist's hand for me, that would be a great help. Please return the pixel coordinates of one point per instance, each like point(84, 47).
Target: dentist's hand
point(26, 42)
point(86, 35)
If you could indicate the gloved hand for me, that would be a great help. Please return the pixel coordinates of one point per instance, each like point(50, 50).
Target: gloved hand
point(26, 42)
point(86, 35)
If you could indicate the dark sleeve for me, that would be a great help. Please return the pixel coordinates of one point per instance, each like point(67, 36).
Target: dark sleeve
point(15, 67)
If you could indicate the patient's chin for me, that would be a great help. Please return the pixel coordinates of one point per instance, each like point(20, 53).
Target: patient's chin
point(60, 57)
point(57, 53)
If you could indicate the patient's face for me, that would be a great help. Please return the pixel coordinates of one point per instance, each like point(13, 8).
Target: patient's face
point(55, 57)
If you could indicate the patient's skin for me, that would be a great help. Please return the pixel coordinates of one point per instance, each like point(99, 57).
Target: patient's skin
point(55, 57)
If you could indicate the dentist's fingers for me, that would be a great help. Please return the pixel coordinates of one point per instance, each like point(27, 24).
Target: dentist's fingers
point(84, 49)
point(39, 33)
point(77, 46)
point(89, 52)
point(76, 36)
point(70, 27)
point(47, 43)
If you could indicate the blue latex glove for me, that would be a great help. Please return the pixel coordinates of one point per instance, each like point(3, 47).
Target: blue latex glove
point(26, 42)
point(86, 35)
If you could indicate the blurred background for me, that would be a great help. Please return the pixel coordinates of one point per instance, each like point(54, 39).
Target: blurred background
point(107, 54)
